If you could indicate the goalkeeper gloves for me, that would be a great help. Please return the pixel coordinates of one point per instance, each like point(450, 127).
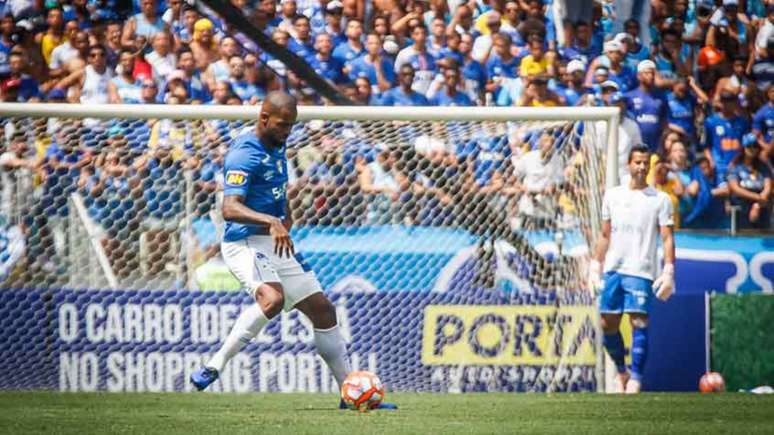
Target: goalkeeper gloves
point(595, 276)
point(664, 285)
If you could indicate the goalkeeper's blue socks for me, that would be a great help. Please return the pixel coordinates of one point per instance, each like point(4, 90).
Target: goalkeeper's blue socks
point(639, 352)
point(615, 348)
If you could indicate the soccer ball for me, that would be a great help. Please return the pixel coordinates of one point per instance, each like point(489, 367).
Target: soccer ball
point(712, 382)
point(362, 391)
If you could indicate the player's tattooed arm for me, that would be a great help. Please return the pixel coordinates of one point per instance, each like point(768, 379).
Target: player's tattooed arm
point(235, 210)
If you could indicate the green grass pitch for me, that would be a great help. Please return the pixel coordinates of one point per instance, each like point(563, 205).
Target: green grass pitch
point(40, 412)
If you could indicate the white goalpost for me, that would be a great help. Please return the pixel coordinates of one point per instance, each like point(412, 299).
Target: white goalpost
point(461, 234)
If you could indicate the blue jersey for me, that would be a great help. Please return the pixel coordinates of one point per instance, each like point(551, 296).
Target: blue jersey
point(329, 69)
point(301, 48)
point(763, 122)
point(346, 53)
point(495, 67)
point(723, 137)
point(571, 96)
point(443, 99)
point(257, 173)
point(680, 112)
point(648, 109)
point(361, 68)
point(474, 79)
point(396, 97)
point(626, 78)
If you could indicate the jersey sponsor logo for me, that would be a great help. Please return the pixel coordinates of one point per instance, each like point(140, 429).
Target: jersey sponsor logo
point(719, 130)
point(508, 335)
point(236, 178)
point(268, 175)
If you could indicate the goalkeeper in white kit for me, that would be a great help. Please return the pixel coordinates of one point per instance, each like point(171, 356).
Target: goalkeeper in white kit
point(633, 216)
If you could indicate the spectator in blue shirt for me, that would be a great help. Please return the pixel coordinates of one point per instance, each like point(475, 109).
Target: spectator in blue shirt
point(473, 73)
point(333, 22)
point(582, 47)
point(571, 88)
point(19, 87)
point(246, 91)
point(723, 133)
point(403, 95)
point(364, 93)
point(322, 62)
point(450, 95)
point(763, 125)
point(301, 44)
point(502, 65)
point(647, 106)
point(617, 70)
point(373, 65)
point(682, 103)
point(749, 180)
point(353, 48)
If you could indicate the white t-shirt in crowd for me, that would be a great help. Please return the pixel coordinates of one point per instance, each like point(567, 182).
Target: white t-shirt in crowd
point(536, 175)
point(636, 217)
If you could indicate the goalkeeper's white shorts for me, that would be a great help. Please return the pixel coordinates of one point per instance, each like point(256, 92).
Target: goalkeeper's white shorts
point(253, 262)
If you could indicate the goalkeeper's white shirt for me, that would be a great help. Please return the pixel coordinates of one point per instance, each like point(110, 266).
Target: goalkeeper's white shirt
point(635, 218)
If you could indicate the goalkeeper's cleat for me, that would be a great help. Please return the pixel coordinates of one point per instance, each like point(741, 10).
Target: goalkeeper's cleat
point(203, 377)
point(342, 405)
point(633, 386)
point(620, 383)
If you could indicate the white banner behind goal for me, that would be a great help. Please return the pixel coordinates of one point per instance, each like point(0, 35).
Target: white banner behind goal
point(453, 241)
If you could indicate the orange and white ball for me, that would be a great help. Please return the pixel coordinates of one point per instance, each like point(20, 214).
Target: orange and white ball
point(362, 390)
point(712, 382)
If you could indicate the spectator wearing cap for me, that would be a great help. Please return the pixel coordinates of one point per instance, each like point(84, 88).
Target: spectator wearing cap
point(322, 61)
point(749, 180)
point(420, 60)
point(54, 35)
point(19, 86)
point(145, 23)
point(763, 126)
point(353, 48)
point(72, 49)
point(765, 33)
point(582, 47)
point(683, 102)
point(502, 65)
point(450, 95)
point(124, 88)
point(647, 105)
point(193, 77)
point(404, 94)
point(203, 44)
point(301, 42)
point(723, 132)
point(728, 32)
point(617, 70)
point(332, 24)
point(374, 66)
point(628, 134)
point(220, 69)
point(175, 86)
point(161, 59)
point(571, 88)
point(763, 69)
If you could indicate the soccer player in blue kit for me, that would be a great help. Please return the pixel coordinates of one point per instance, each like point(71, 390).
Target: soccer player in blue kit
point(257, 247)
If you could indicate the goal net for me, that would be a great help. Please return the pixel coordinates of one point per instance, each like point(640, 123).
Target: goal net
point(453, 242)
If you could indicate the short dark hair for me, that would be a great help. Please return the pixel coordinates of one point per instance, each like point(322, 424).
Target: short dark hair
point(639, 148)
point(300, 17)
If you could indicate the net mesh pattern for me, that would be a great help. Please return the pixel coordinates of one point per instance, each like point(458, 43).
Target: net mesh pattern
point(432, 238)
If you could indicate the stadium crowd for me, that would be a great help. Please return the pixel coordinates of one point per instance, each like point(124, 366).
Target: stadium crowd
point(692, 78)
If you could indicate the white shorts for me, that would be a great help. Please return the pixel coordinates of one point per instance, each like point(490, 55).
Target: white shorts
point(253, 262)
